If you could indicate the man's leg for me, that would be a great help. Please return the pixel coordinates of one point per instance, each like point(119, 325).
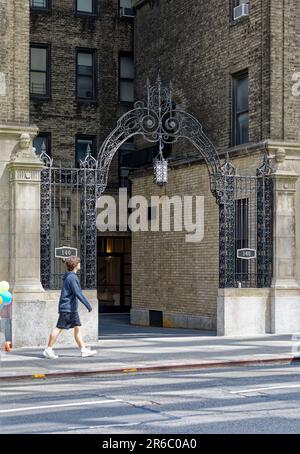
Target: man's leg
point(53, 337)
point(78, 337)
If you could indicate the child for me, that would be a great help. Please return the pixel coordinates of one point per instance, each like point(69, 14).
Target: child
point(68, 310)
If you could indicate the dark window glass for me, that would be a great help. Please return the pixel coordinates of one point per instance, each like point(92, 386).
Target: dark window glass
point(40, 4)
point(42, 143)
point(39, 71)
point(126, 9)
point(240, 133)
point(84, 144)
point(126, 3)
point(241, 236)
point(85, 6)
point(126, 87)
point(86, 75)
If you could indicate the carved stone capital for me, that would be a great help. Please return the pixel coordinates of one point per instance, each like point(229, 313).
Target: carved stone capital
point(24, 152)
point(280, 155)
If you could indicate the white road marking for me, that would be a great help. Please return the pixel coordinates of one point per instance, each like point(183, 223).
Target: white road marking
point(129, 424)
point(269, 388)
point(45, 407)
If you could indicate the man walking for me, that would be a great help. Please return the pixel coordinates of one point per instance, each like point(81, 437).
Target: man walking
point(68, 310)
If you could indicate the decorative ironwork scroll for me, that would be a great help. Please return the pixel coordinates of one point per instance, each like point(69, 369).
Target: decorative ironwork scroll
point(157, 121)
point(68, 218)
point(68, 199)
point(265, 188)
point(246, 224)
point(226, 201)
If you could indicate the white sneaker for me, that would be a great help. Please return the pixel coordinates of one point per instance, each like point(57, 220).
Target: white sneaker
point(49, 353)
point(85, 352)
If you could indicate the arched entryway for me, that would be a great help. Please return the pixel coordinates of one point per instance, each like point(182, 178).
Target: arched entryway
point(69, 198)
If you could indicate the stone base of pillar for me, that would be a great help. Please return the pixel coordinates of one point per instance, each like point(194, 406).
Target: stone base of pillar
point(32, 321)
point(29, 328)
point(285, 310)
point(243, 312)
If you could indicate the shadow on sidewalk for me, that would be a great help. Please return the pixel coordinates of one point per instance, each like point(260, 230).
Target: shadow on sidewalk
point(118, 326)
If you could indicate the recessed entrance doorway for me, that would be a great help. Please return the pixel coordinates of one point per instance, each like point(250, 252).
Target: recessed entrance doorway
point(114, 274)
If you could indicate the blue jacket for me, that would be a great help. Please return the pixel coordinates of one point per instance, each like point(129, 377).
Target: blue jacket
point(70, 292)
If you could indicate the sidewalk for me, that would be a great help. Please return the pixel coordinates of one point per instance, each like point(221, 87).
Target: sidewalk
point(123, 348)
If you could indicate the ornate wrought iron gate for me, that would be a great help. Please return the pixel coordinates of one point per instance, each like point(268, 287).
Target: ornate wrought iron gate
point(68, 218)
point(246, 228)
point(68, 202)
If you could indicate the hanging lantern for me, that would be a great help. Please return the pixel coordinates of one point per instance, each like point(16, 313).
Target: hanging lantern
point(161, 167)
point(161, 171)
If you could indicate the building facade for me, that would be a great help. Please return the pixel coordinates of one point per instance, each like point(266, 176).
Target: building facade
point(81, 81)
point(68, 71)
point(236, 76)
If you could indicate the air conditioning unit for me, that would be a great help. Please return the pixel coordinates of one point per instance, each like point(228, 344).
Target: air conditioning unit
point(241, 11)
point(127, 12)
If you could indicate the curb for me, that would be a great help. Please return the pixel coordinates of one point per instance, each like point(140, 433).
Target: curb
point(157, 368)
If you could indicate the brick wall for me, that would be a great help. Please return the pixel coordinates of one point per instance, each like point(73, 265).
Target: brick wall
point(62, 116)
point(285, 60)
point(196, 45)
point(169, 274)
point(14, 72)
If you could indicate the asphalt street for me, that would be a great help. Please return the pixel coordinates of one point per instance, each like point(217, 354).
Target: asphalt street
point(237, 400)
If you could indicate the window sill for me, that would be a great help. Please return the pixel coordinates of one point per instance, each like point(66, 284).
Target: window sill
point(82, 101)
point(126, 103)
point(242, 20)
point(86, 15)
point(37, 11)
point(37, 98)
point(127, 18)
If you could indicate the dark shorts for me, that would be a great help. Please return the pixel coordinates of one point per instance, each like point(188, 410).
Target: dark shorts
point(68, 320)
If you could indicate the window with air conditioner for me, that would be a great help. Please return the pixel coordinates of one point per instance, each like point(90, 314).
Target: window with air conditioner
point(86, 7)
point(126, 9)
point(40, 4)
point(240, 9)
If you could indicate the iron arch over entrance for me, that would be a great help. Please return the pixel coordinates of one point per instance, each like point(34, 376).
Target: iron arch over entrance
point(245, 203)
point(158, 121)
point(69, 197)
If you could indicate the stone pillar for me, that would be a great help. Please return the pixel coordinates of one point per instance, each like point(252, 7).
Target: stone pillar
point(285, 296)
point(19, 179)
point(28, 315)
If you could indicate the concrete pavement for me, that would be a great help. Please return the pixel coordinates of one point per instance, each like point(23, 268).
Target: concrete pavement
point(244, 400)
point(123, 348)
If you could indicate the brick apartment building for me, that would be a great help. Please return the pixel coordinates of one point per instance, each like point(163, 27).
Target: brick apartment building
point(232, 69)
point(81, 82)
point(71, 69)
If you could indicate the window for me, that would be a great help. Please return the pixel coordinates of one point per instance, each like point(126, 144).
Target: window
point(242, 11)
point(86, 6)
point(126, 83)
point(40, 4)
point(86, 77)
point(240, 121)
point(126, 9)
point(39, 71)
point(42, 143)
point(84, 143)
